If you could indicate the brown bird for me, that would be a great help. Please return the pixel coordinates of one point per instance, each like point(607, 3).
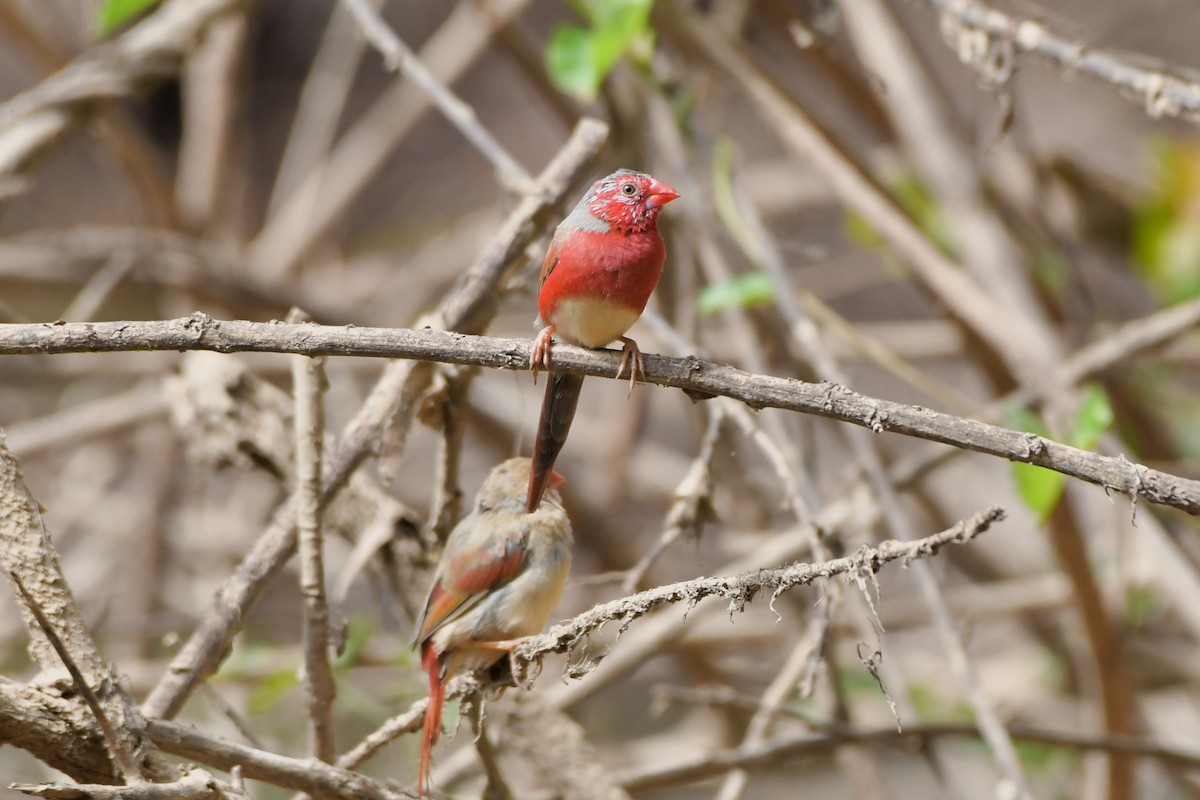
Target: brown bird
point(500, 576)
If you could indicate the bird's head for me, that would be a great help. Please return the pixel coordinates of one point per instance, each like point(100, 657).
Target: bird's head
point(629, 201)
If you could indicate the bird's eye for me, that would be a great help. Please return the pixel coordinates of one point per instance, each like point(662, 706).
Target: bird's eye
point(629, 190)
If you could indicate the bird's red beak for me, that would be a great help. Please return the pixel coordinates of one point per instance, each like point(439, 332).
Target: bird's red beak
point(659, 194)
point(557, 480)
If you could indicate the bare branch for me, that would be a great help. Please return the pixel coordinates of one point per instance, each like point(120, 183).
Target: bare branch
point(988, 39)
point(308, 385)
point(398, 56)
point(304, 775)
point(698, 378)
point(147, 53)
point(126, 766)
point(741, 589)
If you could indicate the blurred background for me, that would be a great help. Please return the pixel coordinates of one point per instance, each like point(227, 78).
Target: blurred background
point(286, 165)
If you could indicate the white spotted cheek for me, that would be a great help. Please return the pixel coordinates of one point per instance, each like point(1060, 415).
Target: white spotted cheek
point(592, 323)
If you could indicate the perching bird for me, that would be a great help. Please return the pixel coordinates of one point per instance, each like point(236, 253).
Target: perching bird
point(501, 574)
point(604, 261)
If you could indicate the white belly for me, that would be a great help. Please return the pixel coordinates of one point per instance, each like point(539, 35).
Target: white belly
point(592, 323)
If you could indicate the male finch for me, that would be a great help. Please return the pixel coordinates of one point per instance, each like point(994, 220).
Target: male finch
point(604, 261)
point(500, 576)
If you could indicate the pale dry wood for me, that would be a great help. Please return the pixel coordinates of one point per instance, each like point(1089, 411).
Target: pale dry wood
point(699, 378)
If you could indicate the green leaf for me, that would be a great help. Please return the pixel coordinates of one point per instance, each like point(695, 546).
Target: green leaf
point(1166, 228)
point(571, 62)
point(1040, 488)
point(579, 59)
point(1094, 418)
point(271, 690)
point(115, 13)
point(747, 290)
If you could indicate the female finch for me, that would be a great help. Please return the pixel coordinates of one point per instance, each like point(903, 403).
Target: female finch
point(604, 261)
point(501, 574)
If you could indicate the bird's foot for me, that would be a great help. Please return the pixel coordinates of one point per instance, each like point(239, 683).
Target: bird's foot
point(631, 355)
point(540, 358)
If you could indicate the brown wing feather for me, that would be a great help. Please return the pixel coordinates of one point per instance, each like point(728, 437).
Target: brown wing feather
point(549, 262)
point(466, 576)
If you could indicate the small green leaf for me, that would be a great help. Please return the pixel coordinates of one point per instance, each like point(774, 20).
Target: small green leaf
point(571, 62)
point(1039, 487)
point(115, 13)
point(579, 59)
point(745, 291)
point(1094, 418)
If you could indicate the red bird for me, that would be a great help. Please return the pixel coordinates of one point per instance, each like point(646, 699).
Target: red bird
point(604, 261)
point(500, 576)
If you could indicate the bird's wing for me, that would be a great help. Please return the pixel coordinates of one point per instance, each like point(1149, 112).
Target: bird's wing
point(473, 564)
point(550, 262)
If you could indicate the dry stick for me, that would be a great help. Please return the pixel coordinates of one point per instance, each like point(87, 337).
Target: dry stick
point(78, 424)
point(127, 769)
point(1019, 349)
point(163, 258)
point(454, 403)
point(27, 553)
point(96, 290)
point(308, 385)
point(992, 255)
point(740, 589)
point(701, 767)
point(210, 88)
point(196, 785)
point(325, 193)
point(918, 115)
point(323, 97)
point(808, 338)
point(469, 305)
point(699, 378)
point(304, 775)
point(980, 34)
point(409, 721)
point(689, 509)
point(397, 56)
point(147, 53)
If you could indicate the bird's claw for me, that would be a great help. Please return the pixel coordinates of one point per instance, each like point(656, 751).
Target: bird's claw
point(631, 355)
point(540, 358)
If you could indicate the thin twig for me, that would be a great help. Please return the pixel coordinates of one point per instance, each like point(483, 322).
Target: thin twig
point(149, 52)
point(195, 785)
point(398, 56)
point(742, 588)
point(305, 775)
point(983, 36)
point(328, 190)
point(699, 378)
point(308, 385)
point(127, 768)
point(703, 766)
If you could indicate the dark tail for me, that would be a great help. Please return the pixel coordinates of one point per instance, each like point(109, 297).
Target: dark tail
point(558, 409)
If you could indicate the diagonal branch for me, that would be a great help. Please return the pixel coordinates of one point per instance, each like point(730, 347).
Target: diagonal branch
point(989, 40)
point(697, 377)
point(742, 588)
point(147, 53)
